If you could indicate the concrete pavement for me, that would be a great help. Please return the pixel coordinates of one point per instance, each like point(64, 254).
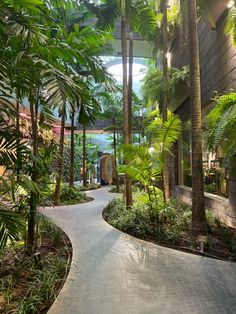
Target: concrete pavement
point(114, 273)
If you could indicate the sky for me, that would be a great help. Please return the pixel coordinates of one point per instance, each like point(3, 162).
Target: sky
point(139, 71)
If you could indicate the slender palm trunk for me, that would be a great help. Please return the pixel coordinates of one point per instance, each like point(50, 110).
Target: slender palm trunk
point(232, 183)
point(57, 197)
point(198, 202)
point(72, 149)
point(115, 158)
point(127, 179)
point(165, 172)
point(84, 157)
point(19, 166)
point(130, 83)
point(33, 196)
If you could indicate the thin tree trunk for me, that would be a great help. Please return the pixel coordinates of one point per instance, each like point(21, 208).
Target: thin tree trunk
point(198, 201)
point(130, 83)
point(72, 149)
point(84, 157)
point(232, 184)
point(127, 179)
point(115, 159)
point(165, 172)
point(18, 136)
point(57, 199)
point(33, 196)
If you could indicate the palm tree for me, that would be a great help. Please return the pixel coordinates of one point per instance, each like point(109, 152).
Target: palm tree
point(198, 201)
point(165, 173)
point(87, 115)
point(135, 15)
point(11, 223)
point(146, 166)
point(112, 109)
point(126, 109)
point(72, 148)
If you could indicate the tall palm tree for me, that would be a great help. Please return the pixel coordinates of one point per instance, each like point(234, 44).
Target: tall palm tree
point(72, 148)
point(198, 201)
point(112, 109)
point(126, 109)
point(134, 15)
point(165, 173)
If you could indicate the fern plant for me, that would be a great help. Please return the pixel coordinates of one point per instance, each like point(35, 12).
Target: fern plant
point(145, 165)
point(219, 134)
point(230, 28)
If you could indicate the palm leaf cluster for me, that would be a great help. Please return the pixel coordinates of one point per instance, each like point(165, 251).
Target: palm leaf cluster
point(144, 164)
point(152, 87)
point(230, 28)
point(221, 125)
point(51, 61)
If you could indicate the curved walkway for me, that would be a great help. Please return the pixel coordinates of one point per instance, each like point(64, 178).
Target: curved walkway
point(114, 273)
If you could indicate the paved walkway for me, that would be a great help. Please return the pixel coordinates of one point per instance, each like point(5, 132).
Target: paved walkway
point(114, 273)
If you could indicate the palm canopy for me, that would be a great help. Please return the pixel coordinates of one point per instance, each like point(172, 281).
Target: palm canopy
point(152, 87)
point(140, 16)
point(61, 61)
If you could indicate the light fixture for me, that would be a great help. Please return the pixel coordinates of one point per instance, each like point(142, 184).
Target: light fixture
point(230, 4)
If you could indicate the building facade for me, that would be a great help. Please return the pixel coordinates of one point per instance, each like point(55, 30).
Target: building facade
point(218, 75)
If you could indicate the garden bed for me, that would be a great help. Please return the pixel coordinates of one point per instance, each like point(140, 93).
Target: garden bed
point(30, 284)
point(69, 196)
point(170, 225)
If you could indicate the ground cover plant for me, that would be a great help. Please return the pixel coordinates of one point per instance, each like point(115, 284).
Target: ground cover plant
point(170, 224)
point(69, 195)
point(88, 187)
point(30, 284)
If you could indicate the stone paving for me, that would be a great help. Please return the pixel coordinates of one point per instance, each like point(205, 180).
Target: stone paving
point(114, 273)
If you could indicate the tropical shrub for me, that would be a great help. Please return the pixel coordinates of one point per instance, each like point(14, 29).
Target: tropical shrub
point(150, 219)
point(221, 125)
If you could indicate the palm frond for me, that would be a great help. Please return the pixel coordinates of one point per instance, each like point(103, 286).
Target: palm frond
point(11, 226)
point(167, 135)
point(10, 147)
point(230, 28)
point(222, 124)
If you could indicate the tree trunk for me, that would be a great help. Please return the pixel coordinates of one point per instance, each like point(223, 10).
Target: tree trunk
point(198, 201)
point(232, 185)
point(57, 199)
point(19, 163)
point(130, 83)
point(165, 172)
point(84, 157)
point(115, 159)
point(33, 196)
point(72, 150)
point(126, 126)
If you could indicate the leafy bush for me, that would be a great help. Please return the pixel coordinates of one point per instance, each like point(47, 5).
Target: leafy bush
point(150, 219)
point(69, 196)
